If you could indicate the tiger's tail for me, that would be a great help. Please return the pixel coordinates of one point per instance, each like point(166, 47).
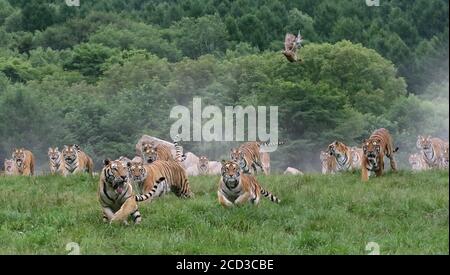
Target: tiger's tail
point(179, 154)
point(150, 194)
point(270, 196)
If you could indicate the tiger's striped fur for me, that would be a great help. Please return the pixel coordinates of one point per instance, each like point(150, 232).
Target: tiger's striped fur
point(444, 157)
point(55, 160)
point(236, 188)
point(152, 152)
point(328, 163)
point(115, 193)
point(417, 162)
point(144, 175)
point(10, 168)
point(378, 145)
point(248, 154)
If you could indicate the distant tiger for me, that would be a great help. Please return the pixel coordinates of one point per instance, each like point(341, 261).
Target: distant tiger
point(444, 157)
point(265, 161)
point(247, 155)
point(152, 152)
point(75, 161)
point(203, 165)
point(417, 162)
point(346, 158)
point(328, 163)
point(24, 162)
point(357, 155)
point(115, 193)
point(432, 150)
point(143, 176)
point(378, 145)
point(236, 188)
point(10, 168)
point(55, 160)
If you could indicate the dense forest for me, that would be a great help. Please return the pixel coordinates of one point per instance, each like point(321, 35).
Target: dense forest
point(106, 72)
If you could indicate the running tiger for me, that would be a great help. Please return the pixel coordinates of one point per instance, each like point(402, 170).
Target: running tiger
point(24, 162)
point(10, 168)
point(417, 162)
point(378, 145)
point(75, 161)
point(344, 156)
point(143, 177)
point(432, 150)
point(328, 163)
point(115, 193)
point(248, 155)
point(236, 188)
point(54, 156)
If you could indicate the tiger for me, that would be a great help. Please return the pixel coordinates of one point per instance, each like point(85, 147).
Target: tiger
point(152, 152)
point(378, 145)
point(265, 161)
point(24, 161)
point(10, 168)
point(115, 193)
point(54, 156)
point(357, 154)
point(432, 149)
point(417, 162)
point(248, 155)
point(444, 156)
point(328, 163)
point(203, 165)
point(75, 161)
point(342, 154)
point(236, 188)
point(143, 176)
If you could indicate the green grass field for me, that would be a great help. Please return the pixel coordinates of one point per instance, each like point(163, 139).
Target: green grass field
point(405, 213)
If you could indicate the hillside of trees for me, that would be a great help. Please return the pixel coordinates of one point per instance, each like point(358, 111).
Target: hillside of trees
point(106, 72)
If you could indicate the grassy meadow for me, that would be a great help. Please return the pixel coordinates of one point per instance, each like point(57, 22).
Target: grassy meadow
point(404, 213)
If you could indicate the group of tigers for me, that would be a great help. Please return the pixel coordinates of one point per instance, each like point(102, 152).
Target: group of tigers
point(370, 158)
point(157, 171)
point(433, 153)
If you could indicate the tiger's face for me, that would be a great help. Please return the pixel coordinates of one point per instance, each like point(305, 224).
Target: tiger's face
point(54, 154)
point(9, 165)
point(230, 173)
point(203, 162)
point(137, 171)
point(372, 150)
point(19, 157)
point(337, 149)
point(424, 143)
point(149, 152)
point(235, 154)
point(116, 175)
point(70, 153)
point(324, 156)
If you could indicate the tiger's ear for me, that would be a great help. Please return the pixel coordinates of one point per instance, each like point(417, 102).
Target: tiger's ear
point(336, 142)
point(128, 164)
point(106, 162)
point(223, 162)
point(56, 149)
point(49, 148)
